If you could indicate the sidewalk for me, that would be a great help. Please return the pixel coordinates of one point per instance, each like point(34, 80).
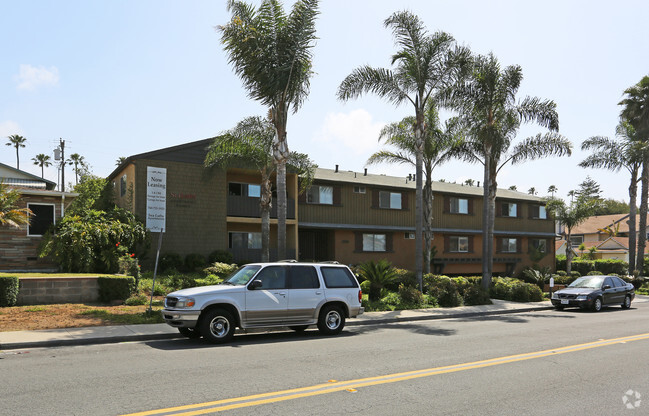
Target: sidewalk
point(123, 333)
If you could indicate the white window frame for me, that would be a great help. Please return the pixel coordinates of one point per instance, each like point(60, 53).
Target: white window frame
point(359, 189)
point(373, 243)
point(322, 194)
point(394, 199)
point(256, 186)
point(459, 205)
point(409, 235)
point(511, 205)
point(506, 245)
point(462, 241)
point(575, 237)
point(53, 216)
point(543, 213)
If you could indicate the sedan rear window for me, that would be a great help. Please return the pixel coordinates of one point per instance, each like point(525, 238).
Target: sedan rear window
point(336, 277)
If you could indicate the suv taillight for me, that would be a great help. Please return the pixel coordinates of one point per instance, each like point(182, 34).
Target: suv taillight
point(360, 296)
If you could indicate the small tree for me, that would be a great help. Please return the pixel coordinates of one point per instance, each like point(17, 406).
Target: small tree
point(10, 214)
point(379, 274)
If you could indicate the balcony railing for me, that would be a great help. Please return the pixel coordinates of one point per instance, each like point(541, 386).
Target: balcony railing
point(245, 206)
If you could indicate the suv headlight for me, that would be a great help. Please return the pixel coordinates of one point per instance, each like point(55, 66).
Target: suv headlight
point(185, 302)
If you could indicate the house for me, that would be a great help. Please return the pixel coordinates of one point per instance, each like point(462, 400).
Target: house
point(19, 246)
point(347, 216)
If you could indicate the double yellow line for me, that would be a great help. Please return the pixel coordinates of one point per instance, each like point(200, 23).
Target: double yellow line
point(351, 385)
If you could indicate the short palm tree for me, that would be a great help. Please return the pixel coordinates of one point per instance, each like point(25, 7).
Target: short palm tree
point(271, 53)
point(17, 142)
point(250, 143)
point(636, 112)
point(79, 164)
point(438, 142)
point(491, 117)
point(10, 214)
point(379, 274)
point(624, 153)
point(426, 64)
point(43, 161)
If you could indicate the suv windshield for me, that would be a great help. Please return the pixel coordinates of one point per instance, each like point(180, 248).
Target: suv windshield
point(590, 282)
point(242, 276)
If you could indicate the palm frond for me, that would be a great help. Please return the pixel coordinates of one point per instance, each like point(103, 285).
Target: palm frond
point(541, 145)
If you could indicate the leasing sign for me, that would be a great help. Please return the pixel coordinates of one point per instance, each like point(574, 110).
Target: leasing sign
point(156, 198)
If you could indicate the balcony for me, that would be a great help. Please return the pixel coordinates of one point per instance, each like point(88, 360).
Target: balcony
point(245, 206)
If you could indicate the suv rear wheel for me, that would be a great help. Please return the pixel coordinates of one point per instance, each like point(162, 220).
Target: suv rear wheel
point(217, 326)
point(331, 320)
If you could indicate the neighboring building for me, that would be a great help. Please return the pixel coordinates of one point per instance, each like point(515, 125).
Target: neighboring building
point(19, 246)
point(345, 216)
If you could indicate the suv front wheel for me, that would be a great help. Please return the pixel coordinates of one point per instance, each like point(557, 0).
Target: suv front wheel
point(331, 320)
point(217, 326)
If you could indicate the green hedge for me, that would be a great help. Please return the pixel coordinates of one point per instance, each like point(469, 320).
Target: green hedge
point(9, 291)
point(506, 288)
point(115, 287)
point(619, 267)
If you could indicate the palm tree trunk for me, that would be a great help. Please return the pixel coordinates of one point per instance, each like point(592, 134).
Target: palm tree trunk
point(17, 159)
point(568, 252)
point(419, 212)
point(265, 205)
point(642, 226)
point(428, 219)
point(493, 185)
point(280, 154)
point(486, 277)
point(633, 210)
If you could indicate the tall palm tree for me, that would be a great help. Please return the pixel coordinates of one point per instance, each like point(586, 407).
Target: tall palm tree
point(551, 190)
point(79, 163)
point(570, 216)
point(17, 142)
point(10, 214)
point(636, 112)
point(120, 160)
point(532, 191)
point(425, 65)
point(250, 143)
point(624, 153)
point(271, 53)
point(43, 161)
point(438, 142)
point(492, 117)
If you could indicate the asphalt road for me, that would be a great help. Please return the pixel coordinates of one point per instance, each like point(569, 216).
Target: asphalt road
point(549, 362)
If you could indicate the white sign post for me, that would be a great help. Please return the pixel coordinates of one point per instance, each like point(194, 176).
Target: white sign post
point(156, 209)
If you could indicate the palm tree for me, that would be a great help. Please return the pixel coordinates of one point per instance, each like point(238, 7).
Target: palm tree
point(79, 163)
point(551, 190)
point(438, 143)
point(513, 188)
point(43, 161)
point(532, 191)
point(120, 160)
point(10, 214)
point(636, 112)
point(17, 142)
point(613, 155)
point(570, 216)
point(250, 143)
point(379, 274)
point(491, 117)
point(425, 65)
point(469, 182)
point(271, 53)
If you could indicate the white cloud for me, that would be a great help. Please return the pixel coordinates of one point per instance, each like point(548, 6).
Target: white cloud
point(354, 131)
point(7, 128)
point(31, 77)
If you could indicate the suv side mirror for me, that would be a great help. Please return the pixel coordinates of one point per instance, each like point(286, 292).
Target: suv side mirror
point(256, 284)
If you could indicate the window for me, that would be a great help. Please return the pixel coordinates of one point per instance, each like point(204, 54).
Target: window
point(374, 242)
point(272, 277)
point(540, 245)
point(459, 206)
point(509, 209)
point(390, 200)
point(41, 220)
point(244, 189)
point(336, 277)
point(304, 277)
point(254, 191)
point(122, 185)
point(538, 212)
point(320, 195)
point(458, 244)
point(359, 189)
point(576, 240)
point(245, 240)
point(409, 236)
point(509, 245)
point(235, 189)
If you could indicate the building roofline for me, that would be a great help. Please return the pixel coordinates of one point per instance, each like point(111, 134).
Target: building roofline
point(48, 183)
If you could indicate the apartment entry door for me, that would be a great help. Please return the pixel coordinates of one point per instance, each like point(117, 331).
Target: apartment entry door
point(316, 245)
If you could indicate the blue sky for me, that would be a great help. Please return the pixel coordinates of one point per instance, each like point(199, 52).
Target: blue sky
point(116, 78)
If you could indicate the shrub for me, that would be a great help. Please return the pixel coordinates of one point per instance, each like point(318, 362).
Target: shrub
point(595, 273)
point(560, 261)
point(562, 273)
point(159, 290)
point(136, 300)
point(608, 267)
point(411, 296)
point(537, 275)
point(506, 288)
point(563, 279)
point(379, 274)
point(365, 286)
point(583, 266)
point(575, 274)
point(475, 295)
point(195, 261)
point(182, 281)
point(444, 290)
point(220, 269)
point(169, 261)
point(209, 280)
point(115, 287)
point(404, 277)
point(9, 286)
point(220, 256)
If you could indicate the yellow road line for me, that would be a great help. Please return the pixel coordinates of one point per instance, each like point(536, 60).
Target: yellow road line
point(326, 388)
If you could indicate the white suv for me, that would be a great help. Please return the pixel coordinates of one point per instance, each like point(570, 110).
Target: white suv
point(260, 295)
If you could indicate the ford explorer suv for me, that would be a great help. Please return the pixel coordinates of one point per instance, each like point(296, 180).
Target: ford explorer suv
point(262, 295)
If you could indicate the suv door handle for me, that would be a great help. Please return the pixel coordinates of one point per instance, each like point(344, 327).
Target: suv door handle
point(280, 293)
point(318, 292)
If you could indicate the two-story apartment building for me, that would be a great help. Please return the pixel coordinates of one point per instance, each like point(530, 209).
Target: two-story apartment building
point(347, 216)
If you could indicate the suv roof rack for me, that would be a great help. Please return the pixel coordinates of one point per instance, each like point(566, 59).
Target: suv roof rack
point(329, 262)
point(286, 261)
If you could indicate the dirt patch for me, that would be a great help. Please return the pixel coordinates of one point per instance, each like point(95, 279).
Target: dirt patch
point(25, 318)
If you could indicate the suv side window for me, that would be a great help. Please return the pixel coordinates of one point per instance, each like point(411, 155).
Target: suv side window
point(304, 277)
point(272, 277)
point(337, 277)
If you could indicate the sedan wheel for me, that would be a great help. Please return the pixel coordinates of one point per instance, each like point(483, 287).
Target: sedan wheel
point(597, 305)
point(627, 302)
